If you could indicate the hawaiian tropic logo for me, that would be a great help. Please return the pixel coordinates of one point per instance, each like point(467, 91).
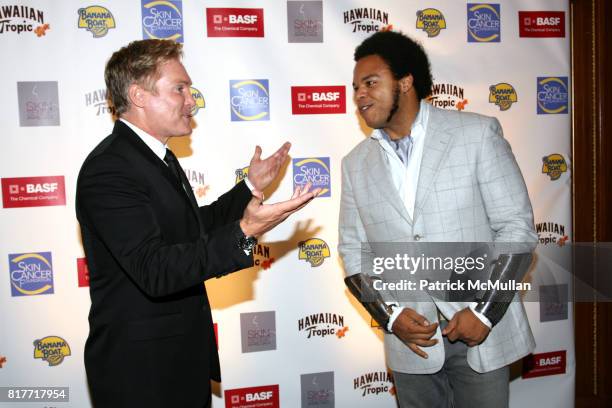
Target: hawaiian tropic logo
point(502, 95)
point(249, 100)
point(483, 23)
point(313, 250)
point(431, 21)
point(162, 20)
point(31, 274)
point(51, 349)
point(552, 95)
point(96, 19)
point(554, 165)
point(199, 100)
point(315, 170)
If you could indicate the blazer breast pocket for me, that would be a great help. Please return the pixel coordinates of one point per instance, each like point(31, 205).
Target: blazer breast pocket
point(157, 327)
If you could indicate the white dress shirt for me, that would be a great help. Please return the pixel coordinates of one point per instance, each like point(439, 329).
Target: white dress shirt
point(159, 148)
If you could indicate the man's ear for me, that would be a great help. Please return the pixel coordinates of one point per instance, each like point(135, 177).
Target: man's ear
point(137, 95)
point(406, 83)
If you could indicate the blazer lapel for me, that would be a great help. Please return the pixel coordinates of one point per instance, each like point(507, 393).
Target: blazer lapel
point(379, 173)
point(437, 144)
point(133, 139)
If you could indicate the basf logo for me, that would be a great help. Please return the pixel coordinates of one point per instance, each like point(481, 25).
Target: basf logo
point(82, 272)
point(264, 396)
point(541, 24)
point(38, 103)
point(235, 22)
point(33, 191)
point(305, 21)
point(249, 100)
point(542, 364)
point(315, 170)
point(308, 100)
point(162, 20)
point(553, 95)
point(483, 23)
point(31, 274)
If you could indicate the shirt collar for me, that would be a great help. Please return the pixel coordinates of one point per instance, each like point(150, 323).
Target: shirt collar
point(417, 129)
point(158, 147)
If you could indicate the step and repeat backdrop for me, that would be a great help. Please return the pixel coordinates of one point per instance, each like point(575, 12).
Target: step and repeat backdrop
point(266, 71)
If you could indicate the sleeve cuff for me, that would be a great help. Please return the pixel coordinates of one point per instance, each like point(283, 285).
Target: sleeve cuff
point(480, 316)
point(396, 312)
point(248, 184)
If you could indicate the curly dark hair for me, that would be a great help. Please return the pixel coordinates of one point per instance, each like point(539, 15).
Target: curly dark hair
point(403, 55)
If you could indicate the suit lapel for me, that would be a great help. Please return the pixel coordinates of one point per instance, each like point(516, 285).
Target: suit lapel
point(379, 173)
point(437, 144)
point(132, 138)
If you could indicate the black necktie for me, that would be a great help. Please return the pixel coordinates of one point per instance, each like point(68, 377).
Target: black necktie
point(178, 172)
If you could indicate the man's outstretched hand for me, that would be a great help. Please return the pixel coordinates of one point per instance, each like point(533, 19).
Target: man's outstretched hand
point(263, 172)
point(259, 218)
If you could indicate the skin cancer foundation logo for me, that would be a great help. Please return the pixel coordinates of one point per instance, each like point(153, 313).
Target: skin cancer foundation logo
point(52, 349)
point(552, 95)
point(315, 170)
point(502, 95)
point(249, 100)
point(305, 21)
point(314, 251)
point(162, 20)
point(31, 274)
point(318, 389)
point(431, 21)
point(483, 23)
point(554, 165)
point(22, 19)
point(96, 19)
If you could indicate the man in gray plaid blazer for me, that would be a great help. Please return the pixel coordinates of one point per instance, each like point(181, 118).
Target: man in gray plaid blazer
point(432, 175)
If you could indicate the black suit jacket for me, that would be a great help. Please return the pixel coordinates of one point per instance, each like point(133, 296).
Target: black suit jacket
point(149, 249)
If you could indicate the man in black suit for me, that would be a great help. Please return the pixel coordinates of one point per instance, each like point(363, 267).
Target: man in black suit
point(148, 245)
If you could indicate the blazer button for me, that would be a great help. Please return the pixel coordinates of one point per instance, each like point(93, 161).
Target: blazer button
point(417, 237)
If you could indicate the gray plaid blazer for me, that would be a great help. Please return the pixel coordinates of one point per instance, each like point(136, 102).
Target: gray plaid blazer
point(470, 189)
